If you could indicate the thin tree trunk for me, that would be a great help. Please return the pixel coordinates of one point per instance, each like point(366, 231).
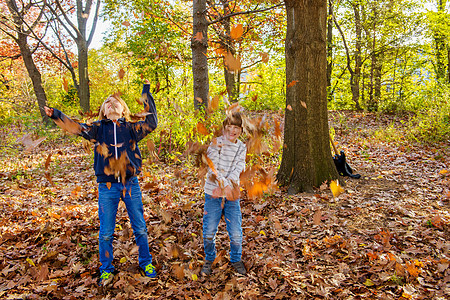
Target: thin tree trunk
point(199, 46)
point(306, 162)
point(329, 49)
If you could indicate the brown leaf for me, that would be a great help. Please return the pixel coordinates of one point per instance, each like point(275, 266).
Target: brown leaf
point(264, 57)
point(102, 150)
point(232, 63)
point(47, 161)
point(121, 74)
point(126, 23)
point(68, 125)
point(317, 217)
point(178, 271)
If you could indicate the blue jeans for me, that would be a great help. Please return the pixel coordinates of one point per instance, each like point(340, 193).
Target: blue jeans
point(213, 212)
point(108, 201)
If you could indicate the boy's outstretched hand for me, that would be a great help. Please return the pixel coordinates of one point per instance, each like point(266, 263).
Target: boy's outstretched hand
point(48, 111)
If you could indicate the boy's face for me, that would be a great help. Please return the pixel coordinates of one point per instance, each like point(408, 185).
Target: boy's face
point(232, 132)
point(113, 110)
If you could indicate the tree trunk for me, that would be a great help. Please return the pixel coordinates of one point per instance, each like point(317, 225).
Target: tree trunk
point(329, 49)
point(82, 46)
point(199, 46)
point(83, 90)
point(33, 72)
point(306, 162)
point(358, 62)
point(230, 76)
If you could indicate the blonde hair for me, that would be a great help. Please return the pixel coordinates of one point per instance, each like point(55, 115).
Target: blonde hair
point(126, 110)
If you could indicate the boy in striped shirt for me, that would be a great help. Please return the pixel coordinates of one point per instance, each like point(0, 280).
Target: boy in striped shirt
point(227, 154)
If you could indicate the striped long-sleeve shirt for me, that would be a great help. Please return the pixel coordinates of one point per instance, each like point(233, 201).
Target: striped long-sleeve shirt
point(229, 161)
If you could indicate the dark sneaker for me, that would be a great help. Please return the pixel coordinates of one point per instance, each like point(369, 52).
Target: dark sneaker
point(206, 269)
point(149, 271)
point(105, 279)
point(239, 267)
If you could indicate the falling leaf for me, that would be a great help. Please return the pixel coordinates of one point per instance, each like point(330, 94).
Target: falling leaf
point(47, 161)
point(292, 83)
point(121, 74)
point(289, 107)
point(126, 23)
point(264, 57)
point(303, 104)
point(65, 85)
point(198, 36)
point(336, 189)
point(214, 103)
point(103, 150)
point(233, 63)
point(201, 128)
point(68, 125)
point(236, 32)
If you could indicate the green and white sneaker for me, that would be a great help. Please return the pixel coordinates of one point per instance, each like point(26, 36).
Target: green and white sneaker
point(105, 279)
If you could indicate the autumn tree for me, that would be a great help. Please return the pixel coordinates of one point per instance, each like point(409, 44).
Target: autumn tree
point(81, 36)
point(306, 160)
point(17, 21)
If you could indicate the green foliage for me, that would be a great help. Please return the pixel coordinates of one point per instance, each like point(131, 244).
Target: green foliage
point(265, 87)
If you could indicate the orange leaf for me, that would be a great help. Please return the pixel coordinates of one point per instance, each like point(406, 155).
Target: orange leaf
point(198, 37)
point(126, 23)
point(303, 104)
point(289, 107)
point(236, 32)
point(65, 85)
point(412, 269)
point(47, 161)
point(209, 163)
point(214, 103)
point(293, 82)
point(201, 128)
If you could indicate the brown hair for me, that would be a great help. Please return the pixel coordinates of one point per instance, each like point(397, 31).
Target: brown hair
point(126, 110)
point(234, 119)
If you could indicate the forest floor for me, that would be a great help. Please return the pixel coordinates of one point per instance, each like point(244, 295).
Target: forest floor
point(385, 237)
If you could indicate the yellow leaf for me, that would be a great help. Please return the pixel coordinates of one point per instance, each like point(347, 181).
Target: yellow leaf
point(336, 189)
point(30, 262)
point(194, 277)
point(444, 171)
point(369, 282)
point(123, 260)
point(262, 232)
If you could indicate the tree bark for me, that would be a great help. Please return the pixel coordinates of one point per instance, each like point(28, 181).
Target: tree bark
point(329, 48)
point(199, 46)
point(306, 162)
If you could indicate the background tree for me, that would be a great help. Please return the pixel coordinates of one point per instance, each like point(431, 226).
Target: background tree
point(24, 17)
point(306, 160)
point(82, 38)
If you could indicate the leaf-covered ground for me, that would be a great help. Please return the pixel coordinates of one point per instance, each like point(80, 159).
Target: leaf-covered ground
point(385, 237)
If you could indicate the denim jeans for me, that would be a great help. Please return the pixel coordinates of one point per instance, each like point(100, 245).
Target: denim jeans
point(108, 201)
point(213, 212)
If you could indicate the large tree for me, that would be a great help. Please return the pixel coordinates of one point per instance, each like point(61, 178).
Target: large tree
point(306, 161)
